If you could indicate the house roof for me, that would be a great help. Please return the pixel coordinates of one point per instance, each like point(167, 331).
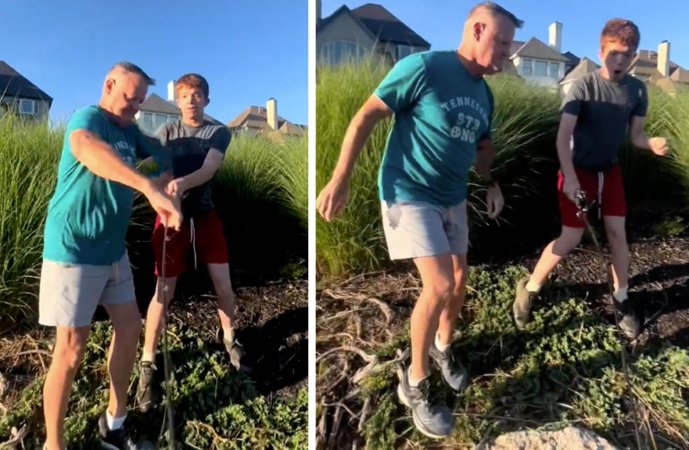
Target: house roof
point(572, 58)
point(585, 66)
point(256, 118)
point(516, 45)
point(157, 104)
point(681, 75)
point(379, 23)
point(646, 63)
point(534, 48)
point(14, 84)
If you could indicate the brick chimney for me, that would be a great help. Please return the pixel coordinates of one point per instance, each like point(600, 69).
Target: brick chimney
point(555, 36)
point(272, 113)
point(664, 58)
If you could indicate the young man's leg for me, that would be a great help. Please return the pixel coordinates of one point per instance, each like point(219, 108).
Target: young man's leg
point(70, 344)
point(617, 238)
point(220, 276)
point(176, 248)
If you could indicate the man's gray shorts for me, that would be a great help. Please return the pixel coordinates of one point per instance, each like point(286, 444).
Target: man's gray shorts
point(418, 229)
point(70, 293)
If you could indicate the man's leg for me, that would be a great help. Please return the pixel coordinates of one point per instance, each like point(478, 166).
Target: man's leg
point(126, 323)
point(70, 344)
point(438, 285)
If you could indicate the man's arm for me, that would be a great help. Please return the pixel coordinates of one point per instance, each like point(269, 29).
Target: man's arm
point(358, 132)
point(101, 159)
point(485, 155)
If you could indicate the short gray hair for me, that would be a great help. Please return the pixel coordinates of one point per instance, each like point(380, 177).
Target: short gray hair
point(133, 68)
point(496, 9)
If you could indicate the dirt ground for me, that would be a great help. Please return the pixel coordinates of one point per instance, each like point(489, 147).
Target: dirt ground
point(273, 326)
point(370, 310)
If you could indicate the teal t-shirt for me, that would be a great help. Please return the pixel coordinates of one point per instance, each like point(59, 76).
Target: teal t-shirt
point(88, 215)
point(440, 112)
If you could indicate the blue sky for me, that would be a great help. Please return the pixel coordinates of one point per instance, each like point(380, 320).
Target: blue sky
point(440, 21)
point(249, 50)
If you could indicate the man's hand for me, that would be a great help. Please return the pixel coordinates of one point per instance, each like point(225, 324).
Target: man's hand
point(168, 209)
point(176, 188)
point(571, 187)
point(658, 145)
point(333, 198)
point(494, 201)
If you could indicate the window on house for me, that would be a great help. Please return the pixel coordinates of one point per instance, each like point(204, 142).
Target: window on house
point(555, 70)
point(404, 50)
point(526, 67)
point(541, 69)
point(146, 121)
point(158, 120)
point(336, 52)
point(28, 106)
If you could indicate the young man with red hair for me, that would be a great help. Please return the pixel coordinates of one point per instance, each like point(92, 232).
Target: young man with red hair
point(197, 147)
point(597, 113)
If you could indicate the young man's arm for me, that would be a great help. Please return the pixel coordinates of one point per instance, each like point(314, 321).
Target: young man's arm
point(101, 159)
point(211, 164)
point(564, 154)
point(657, 145)
point(333, 196)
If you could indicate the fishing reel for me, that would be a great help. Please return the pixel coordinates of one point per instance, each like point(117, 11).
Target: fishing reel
point(582, 202)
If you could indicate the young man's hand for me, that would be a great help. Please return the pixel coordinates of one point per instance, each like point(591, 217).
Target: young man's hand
point(494, 201)
point(658, 145)
point(333, 198)
point(571, 187)
point(169, 209)
point(176, 188)
point(162, 180)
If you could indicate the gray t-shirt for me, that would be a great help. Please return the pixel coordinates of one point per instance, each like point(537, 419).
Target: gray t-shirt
point(189, 147)
point(604, 110)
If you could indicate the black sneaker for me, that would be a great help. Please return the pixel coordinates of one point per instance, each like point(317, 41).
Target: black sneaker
point(433, 420)
point(628, 320)
point(144, 394)
point(114, 439)
point(454, 373)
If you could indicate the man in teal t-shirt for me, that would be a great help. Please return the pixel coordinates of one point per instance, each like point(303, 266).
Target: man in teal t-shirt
point(84, 259)
point(442, 108)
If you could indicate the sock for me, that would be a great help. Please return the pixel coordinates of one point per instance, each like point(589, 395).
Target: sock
point(412, 381)
point(532, 287)
point(114, 423)
point(228, 334)
point(620, 294)
point(438, 345)
point(148, 356)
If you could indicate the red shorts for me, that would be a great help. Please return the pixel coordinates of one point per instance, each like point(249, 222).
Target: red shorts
point(609, 197)
point(204, 235)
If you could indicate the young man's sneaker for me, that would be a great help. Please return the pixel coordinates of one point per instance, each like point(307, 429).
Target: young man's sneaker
point(433, 420)
point(629, 321)
point(237, 355)
point(454, 373)
point(144, 394)
point(114, 439)
point(523, 301)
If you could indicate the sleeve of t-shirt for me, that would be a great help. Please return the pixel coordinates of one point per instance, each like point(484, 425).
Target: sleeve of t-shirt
point(571, 104)
point(89, 119)
point(641, 107)
point(403, 84)
point(152, 146)
point(220, 139)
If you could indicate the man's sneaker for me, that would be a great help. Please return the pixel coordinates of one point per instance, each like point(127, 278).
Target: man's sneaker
point(237, 355)
point(144, 395)
point(629, 321)
point(114, 439)
point(433, 420)
point(523, 300)
point(454, 373)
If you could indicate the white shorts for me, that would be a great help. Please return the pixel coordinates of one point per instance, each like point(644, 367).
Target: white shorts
point(418, 229)
point(70, 293)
